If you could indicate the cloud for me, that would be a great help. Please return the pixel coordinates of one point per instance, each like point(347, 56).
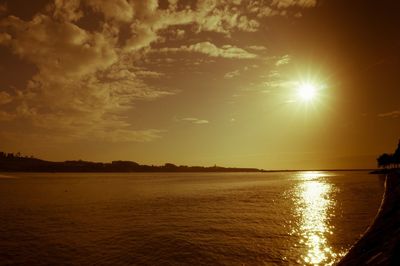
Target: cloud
point(3, 8)
point(283, 60)
point(289, 3)
point(90, 58)
point(393, 114)
point(194, 120)
point(84, 82)
point(266, 11)
point(119, 10)
point(238, 72)
point(71, 10)
point(262, 9)
point(257, 47)
point(149, 74)
point(208, 48)
point(81, 107)
point(232, 74)
point(5, 97)
point(59, 48)
point(5, 116)
point(143, 36)
point(66, 10)
point(223, 17)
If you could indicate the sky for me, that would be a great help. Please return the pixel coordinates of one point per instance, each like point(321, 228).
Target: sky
point(201, 82)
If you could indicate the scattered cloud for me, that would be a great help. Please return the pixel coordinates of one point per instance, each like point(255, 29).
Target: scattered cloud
point(126, 135)
point(5, 116)
point(194, 120)
point(257, 47)
point(65, 10)
point(59, 48)
point(223, 17)
point(88, 77)
point(289, 3)
point(179, 34)
point(273, 8)
point(208, 48)
point(118, 10)
point(238, 72)
point(284, 60)
point(393, 114)
point(232, 74)
point(149, 74)
point(5, 97)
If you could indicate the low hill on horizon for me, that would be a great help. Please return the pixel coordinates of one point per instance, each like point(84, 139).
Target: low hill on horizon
point(10, 162)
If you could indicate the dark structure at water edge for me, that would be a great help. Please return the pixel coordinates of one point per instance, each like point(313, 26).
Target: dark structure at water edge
point(380, 245)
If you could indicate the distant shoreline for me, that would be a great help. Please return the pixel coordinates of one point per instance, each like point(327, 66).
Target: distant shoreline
point(206, 170)
point(236, 170)
point(379, 245)
point(16, 163)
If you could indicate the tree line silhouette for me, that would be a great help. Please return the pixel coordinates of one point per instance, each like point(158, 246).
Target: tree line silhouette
point(392, 160)
point(10, 162)
point(14, 155)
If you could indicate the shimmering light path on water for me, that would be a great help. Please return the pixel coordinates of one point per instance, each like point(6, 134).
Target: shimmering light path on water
point(314, 205)
point(304, 218)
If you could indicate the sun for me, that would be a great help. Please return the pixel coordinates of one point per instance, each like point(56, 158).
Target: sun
point(307, 92)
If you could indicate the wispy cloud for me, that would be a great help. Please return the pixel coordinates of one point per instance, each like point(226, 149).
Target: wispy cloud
point(289, 3)
point(283, 60)
point(4, 97)
point(232, 74)
point(257, 47)
point(238, 72)
point(210, 49)
point(5, 116)
point(195, 120)
point(393, 114)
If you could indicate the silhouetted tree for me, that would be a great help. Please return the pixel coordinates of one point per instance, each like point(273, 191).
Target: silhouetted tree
point(384, 160)
point(18, 162)
point(390, 160)
point(396, 156)
point(170, 166)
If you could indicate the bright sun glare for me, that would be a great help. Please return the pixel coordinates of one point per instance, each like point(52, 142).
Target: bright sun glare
point(307, 91)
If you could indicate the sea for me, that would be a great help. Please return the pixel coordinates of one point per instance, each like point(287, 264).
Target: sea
point(280, 218)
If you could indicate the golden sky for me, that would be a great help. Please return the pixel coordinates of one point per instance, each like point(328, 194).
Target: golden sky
point(201, 82)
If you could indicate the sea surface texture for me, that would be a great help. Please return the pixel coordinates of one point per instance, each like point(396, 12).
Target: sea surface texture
point(292, 218)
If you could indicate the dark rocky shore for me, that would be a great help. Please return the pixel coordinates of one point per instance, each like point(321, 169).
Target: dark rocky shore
point(380, 245)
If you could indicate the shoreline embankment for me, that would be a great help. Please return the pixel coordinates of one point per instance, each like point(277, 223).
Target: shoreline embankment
point(380, 244)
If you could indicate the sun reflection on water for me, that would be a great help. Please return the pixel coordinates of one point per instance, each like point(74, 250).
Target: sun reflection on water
point(313, 209)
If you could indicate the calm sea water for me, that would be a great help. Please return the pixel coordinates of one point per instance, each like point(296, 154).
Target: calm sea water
point(305, 218)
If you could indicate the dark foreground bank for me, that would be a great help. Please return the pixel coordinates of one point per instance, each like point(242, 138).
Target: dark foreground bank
point(380, 245)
